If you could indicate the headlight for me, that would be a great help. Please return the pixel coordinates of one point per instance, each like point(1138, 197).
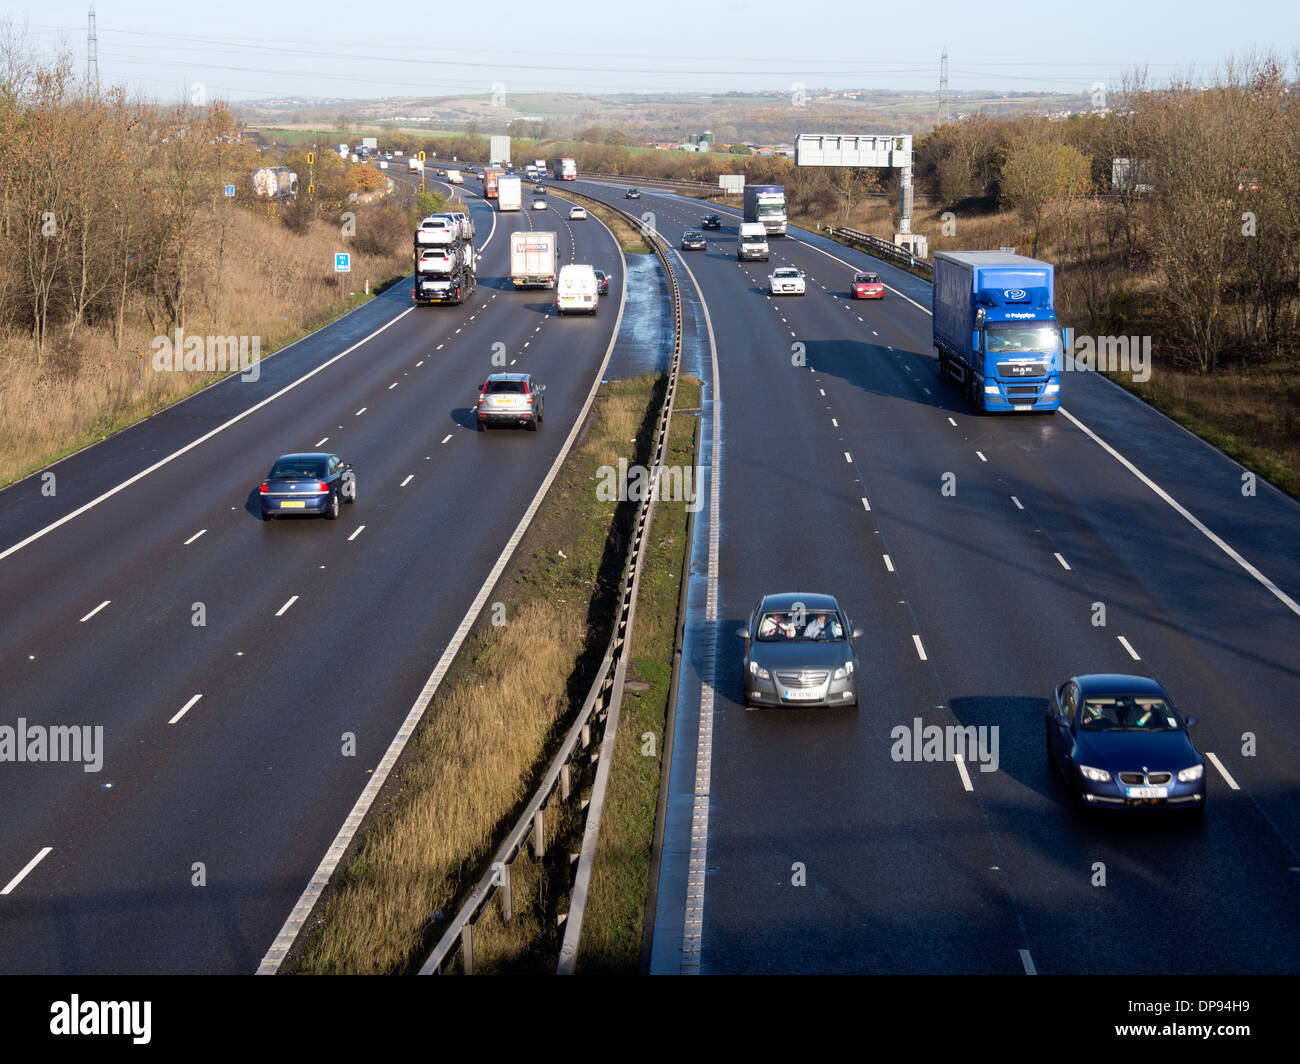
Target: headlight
point(1052, 388)
point(1189, 774)
point(844, 670)
point(755, 670)
point(1097, 775)
point(990, 389)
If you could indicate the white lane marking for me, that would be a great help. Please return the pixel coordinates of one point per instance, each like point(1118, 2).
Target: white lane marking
point(1129, 647)
point(527, 342)
point(94, 611)
point(294, 922)
point(360, 529)
point(981, 454)
point(446, 437)
point(185, 709)
point(925, 389)
point(889, 565)
point(1282, 596)
point(419, 364)
point(285, 608)
point(848, 457)
point(1028, 962)
point(321, 441)
point(392, 386)
point(458, 330)
point(1227, 776)
point(952, 423)
point(1019, 506)
point(1064, 564)
point(194, 443)
point(513, 361)
point(965, 776)
point(27, 868)
point(439, 347)
point(361, 411)
point(866, 505)
point(822, 391)
point(194, 537)
point(407, 481)
point(835, 423)
point(920, 650)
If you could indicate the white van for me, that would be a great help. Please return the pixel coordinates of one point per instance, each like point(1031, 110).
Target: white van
point(454, 178)
point(751, 241)
point(576, 289)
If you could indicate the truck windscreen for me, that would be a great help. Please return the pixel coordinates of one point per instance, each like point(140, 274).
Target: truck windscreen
point(1031, 337)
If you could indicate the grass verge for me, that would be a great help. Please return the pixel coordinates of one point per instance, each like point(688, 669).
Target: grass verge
point(629, 237)
point(491, 729)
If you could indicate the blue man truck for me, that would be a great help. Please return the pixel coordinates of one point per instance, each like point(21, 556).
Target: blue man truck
point(995, 329)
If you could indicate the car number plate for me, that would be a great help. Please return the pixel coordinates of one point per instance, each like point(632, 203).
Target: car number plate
point(802, 696)
point(293, 504)
point(1147, 792)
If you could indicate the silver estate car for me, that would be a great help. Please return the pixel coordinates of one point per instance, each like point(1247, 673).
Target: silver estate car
point(510, 399)
point(799, 651)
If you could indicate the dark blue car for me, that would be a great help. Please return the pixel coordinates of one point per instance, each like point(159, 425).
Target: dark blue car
point(1121, 744)
point(307, 484)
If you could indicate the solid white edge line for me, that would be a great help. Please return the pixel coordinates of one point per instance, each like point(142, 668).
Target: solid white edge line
point(1028, 962)
point(1227, 776)
point(1064, 564)
point(94, 611)
point(27, 868)
point(284, 609)
point(1282, 596)
point(185, 709)
point(194, 537)
point(194, 443)
point(293, 924)
point(888, 563)
point(920, 650)
point(409, 478)
point(360, 529)
point(965, 776)
point(1129, 647)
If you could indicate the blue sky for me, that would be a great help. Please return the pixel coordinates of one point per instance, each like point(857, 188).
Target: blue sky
point(242, 49)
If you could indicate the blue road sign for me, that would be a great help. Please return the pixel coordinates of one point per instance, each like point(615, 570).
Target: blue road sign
point(230, 190)
point(342, 262)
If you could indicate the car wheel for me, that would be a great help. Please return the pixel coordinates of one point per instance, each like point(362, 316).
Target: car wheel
point(481, 427)
point(267, 515)
point(333, 512)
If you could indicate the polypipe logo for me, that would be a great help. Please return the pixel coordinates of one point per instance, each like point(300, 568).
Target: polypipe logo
point(930, 742)
point(1111, 354)
point(179, 353)
point(1014, 294)
point(632, 483)
point(57, 743)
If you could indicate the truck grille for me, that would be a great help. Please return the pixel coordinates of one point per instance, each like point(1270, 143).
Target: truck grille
point(1022, 389)
point(807, 678)
point(1013, 370)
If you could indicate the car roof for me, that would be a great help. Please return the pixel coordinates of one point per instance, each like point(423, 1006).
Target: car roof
point(318, 456)
point(508, 376)
point(1117, 683)
point(812, 603)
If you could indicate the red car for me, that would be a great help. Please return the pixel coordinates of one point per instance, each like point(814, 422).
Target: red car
point(866, 286)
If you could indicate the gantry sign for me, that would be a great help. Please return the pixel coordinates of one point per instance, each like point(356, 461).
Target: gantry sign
point(853, 149)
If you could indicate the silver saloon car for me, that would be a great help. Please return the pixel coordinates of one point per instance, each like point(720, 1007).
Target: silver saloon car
point(799, 651)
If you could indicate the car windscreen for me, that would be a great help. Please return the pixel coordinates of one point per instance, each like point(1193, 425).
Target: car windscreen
point(1127, 713)
point(791, 626)
point(1027, 339)
point(785, 272)
point(505, 386)
point(297, 468)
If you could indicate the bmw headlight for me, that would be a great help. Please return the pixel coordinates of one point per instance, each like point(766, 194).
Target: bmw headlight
point(1187, 775)
point(756, 670)
point(1097, 775)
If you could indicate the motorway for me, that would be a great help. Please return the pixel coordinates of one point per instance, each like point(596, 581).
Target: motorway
point(795, 841)
point(225, 775)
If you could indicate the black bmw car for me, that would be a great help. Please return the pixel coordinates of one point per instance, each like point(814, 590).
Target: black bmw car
point(799, 651)
point(693, 240)
point(711, 221)
point(307, 484)
point(1120, 743)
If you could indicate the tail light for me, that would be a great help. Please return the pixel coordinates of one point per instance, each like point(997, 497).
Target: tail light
point(321, 486)
point(264, 489)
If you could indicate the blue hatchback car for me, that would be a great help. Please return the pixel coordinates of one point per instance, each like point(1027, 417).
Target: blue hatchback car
point(1120, 744)
point(307, 484)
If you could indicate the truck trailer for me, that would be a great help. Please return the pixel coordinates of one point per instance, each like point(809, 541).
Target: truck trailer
point(534, 259)
point(510, 193)
point(995, 329)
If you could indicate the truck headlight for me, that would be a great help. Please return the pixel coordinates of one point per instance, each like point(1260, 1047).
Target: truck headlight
point(991, 389)
point(756, 670)
point(1097, 775)
point(1052, 388)
point(1187, 775)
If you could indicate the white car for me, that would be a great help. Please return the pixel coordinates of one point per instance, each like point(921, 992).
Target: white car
point(539, 204)
point(577, 213)
point(785, 281)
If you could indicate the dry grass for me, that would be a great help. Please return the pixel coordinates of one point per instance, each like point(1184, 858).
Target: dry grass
point(88, 386)
point(490, 729)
